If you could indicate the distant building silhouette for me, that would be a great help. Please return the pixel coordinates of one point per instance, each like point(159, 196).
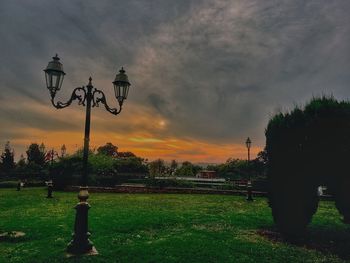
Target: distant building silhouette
point(207, 174)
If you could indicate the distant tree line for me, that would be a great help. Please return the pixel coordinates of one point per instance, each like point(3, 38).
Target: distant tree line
point(232, 169)
point(159, 168)
point(31, 166)
point(108, 166)
point(238, 169)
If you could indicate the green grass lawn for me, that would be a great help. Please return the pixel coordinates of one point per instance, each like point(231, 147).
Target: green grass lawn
point(161, 228)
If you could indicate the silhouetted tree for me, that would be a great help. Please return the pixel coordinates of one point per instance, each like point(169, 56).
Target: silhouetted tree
point(258, 166)
point(67, 171)
point(262, 156)
point(21, 167)
point(22, 161)
point(188, 169)
point(126, 154)
point(7, 158)
point(134, 165)
point(108, 149)
point(36, 154)
point(173, 166)
point(156, 168)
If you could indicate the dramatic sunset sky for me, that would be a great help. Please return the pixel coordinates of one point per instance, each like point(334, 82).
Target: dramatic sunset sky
point(204, 74)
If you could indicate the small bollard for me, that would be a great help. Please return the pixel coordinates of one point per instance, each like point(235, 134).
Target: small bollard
point(49, 190)
point(249, 191)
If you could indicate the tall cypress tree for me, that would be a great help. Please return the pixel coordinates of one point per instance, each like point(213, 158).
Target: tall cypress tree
point(7, 158)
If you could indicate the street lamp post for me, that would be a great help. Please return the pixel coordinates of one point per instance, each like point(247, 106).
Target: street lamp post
point(51, 155)
point(248, 143)
point(89, 97)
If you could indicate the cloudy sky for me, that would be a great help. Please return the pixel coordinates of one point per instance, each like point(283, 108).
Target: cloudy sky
point(204, 74)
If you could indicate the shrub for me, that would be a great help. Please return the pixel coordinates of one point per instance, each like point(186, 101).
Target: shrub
point(130, 165)
point(8, 184)
point(102, 165)
point(66, 172)
point(103, 170)
point(307, 148)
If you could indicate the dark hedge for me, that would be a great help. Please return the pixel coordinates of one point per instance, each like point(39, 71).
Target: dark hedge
point(307, 148)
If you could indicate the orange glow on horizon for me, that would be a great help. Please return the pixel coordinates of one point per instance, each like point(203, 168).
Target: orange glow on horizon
point(143, 146)
point(140, 130)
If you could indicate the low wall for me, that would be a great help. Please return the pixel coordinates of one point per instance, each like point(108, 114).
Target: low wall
point(171, 190)
point(165, 190)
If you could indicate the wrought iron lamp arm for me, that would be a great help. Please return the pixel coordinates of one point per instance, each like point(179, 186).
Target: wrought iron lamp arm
point(77, 94)
point(98, 96)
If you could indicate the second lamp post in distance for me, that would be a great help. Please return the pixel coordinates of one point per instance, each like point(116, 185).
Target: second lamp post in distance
point(248, 143)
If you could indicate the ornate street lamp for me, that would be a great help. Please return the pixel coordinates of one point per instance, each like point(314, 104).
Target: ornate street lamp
point(89, 97)
point(248, 143)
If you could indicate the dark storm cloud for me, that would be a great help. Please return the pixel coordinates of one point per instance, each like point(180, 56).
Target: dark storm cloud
point(215, 70)
point(86, 34)
point(228, 65)
point(160, 104)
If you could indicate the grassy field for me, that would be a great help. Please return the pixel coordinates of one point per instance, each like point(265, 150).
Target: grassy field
point(162, 228)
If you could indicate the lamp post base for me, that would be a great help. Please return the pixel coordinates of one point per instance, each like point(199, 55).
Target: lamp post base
point(92, 252)
point(81, 244)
